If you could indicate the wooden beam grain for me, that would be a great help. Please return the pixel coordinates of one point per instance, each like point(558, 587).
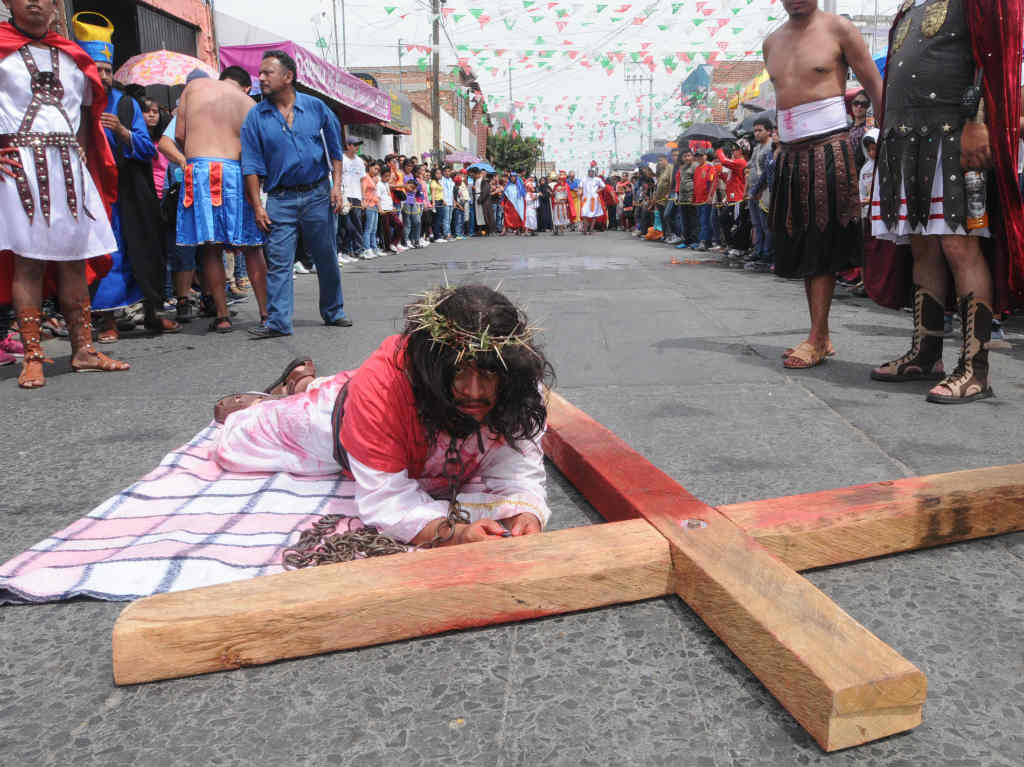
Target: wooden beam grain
point(373, 601)
point(844, 685)
point(835, 526)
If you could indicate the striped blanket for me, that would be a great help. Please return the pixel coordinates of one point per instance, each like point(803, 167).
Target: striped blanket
point(186, 524)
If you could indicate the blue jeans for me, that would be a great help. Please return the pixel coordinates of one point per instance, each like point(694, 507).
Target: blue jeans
point(499, 217)
point(442, 221)
point(310, 213)
point(472, 219)
point(670, 219)
point(762, 234)
point(458, 219)
point(411, 225)
point(370, 228)
point(707, 227)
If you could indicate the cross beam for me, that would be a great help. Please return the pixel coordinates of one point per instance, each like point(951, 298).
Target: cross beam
point(735, 566)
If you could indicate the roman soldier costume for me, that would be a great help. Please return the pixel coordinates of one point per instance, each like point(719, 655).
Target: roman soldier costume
point(950, 62)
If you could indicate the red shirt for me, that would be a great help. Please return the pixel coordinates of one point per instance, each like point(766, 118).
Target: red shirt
point(703, 182)
point(736, 184)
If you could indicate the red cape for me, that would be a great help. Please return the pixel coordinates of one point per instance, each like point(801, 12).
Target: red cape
point(572, 203)
point(997, 37)
point(99, 158)
point(512, 220)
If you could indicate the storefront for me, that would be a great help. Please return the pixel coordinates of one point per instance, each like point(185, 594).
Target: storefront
point(352, 100)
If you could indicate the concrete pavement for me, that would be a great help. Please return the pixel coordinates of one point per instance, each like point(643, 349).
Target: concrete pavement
point(682, 362)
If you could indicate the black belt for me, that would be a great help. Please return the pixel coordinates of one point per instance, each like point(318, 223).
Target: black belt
point(299, 187)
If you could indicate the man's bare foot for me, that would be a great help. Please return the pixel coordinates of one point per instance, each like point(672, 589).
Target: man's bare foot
point(88, 360)
point(806, 355)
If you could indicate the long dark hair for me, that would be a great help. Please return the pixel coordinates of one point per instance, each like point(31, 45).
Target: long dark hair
point(519, 412)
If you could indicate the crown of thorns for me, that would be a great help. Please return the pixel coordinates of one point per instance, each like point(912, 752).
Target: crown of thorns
point(424, 315)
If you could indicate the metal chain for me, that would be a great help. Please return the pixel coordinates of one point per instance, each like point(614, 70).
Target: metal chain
point(321, 545)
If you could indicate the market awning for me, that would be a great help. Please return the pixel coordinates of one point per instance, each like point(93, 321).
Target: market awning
point(401, 114)
point(358, 101)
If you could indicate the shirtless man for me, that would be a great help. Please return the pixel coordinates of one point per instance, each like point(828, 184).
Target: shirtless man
point(807, 59)
point(212, 211)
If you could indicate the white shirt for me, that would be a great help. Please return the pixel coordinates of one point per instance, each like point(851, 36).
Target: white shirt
point(352, 171)
point(384, 192)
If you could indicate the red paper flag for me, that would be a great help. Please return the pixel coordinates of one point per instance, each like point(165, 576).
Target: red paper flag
point(561, 25)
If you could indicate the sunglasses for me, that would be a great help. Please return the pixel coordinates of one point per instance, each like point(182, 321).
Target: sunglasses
point(861, 103)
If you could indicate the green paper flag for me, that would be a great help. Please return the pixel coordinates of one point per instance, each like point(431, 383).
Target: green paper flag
point(698, 22)
point(509, 23)
point(528, 3)
point(535, 19)
point(663, 27)
point(458, 17)
point(677, 6)
point(422, 64)
point(476, 12)
point(539, 40)
point(390, 9)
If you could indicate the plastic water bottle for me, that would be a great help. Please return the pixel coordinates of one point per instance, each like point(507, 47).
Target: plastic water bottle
point(977, 215)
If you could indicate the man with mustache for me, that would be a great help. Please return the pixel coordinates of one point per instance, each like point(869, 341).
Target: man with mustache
point(57, 182)
point(440, 428)
point(815, 201)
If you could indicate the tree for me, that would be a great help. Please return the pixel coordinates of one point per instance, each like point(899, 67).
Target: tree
point(510, 151)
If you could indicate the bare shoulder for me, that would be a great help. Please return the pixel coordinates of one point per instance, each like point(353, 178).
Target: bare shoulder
point(842, 28)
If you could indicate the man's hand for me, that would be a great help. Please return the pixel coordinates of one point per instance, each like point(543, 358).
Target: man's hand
point(262, 219)
point(337, 198)
point(8, 161)
point(523, 524)
point(975, 152)
point(481, 530)
point(111, 122)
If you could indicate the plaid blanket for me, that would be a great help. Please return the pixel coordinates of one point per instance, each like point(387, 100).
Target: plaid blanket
point(186, 524)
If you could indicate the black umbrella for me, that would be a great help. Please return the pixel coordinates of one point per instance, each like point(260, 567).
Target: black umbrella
point(704, 132)
point(747, 126)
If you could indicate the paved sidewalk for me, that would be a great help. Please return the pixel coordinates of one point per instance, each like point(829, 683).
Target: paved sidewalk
point(682, 361)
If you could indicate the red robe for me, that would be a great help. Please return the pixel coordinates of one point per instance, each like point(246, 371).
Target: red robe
point(99, 158)
point(997, 37)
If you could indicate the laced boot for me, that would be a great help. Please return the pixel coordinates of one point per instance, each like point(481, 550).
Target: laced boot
point(29, 323)
point(969, 380)
point(924, 359)
point(84, 357)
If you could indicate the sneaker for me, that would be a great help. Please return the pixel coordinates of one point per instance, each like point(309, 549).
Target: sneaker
point(6, 358)
point(682, 246)
point(440, 239)
point(424, 242)
point(235, 297)
point(673, 240)
point(400, 248)
point(12, 345)
point(300, 269)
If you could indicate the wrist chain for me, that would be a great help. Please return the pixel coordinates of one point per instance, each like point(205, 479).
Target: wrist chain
point(457, 515)
point(321, 545)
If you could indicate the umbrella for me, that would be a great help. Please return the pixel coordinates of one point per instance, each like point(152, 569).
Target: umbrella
point(160, 68)
point(704, 132)
point(486, 167)
point(747, 126)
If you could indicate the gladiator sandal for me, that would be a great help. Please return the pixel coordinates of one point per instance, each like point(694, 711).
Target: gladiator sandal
point(924, 359)
point(969, 380)
point(29, 323)
point(79, 319)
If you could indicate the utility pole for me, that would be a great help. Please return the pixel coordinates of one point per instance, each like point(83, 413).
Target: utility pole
point(615, 139)
point(399, 64)
point(510, 86)
point(344, 47)
point(435, 97)
point(334, 8)
point(640, 79)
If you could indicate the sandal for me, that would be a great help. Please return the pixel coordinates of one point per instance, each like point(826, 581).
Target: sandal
point(80, 325)
point(221, 325)
point(294, 371)
point(32, 376)
point(228, 405)
point(829, 352)
point(108, 336)
point(804, 356)
point(161, 325)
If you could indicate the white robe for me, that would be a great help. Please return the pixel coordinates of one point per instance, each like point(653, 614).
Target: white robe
point(65, 238)
point(591, 203)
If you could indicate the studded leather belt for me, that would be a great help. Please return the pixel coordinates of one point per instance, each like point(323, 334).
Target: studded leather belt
point(39, 143)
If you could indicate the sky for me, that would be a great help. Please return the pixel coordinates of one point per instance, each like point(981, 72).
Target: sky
point(570, 62)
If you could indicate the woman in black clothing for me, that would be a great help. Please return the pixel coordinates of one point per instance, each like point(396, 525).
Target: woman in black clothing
point(544, 208)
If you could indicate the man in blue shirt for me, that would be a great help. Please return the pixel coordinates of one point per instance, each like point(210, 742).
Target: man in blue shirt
point(283, 144)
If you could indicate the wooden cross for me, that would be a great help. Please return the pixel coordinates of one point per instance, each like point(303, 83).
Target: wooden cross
point(736, 566)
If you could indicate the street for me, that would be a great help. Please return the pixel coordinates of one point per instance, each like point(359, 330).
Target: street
point(681, 361)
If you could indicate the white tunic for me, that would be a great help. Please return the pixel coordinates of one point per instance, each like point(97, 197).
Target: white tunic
point(64, 238)
point(591, 204)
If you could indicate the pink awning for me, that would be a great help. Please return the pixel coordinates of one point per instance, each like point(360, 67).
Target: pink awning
point(360, 101)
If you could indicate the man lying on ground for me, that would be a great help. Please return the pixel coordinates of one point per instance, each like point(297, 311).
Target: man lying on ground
point(455, 402)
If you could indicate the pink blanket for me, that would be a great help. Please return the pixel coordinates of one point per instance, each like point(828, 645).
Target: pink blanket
point(186, 524)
